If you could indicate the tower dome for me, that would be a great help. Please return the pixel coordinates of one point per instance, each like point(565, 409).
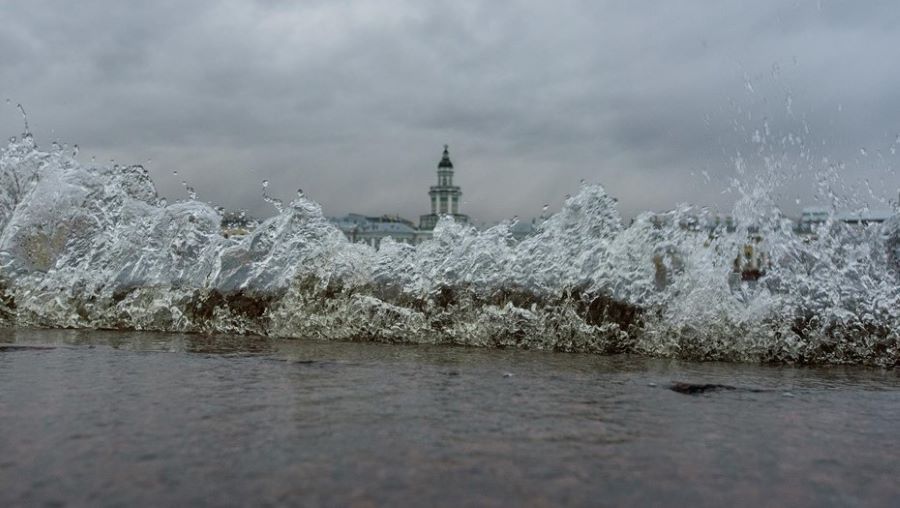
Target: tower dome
point(445, 159)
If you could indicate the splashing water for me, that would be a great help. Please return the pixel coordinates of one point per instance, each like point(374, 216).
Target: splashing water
point(94, 246)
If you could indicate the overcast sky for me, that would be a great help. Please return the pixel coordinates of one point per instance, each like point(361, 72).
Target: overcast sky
point(352, 100)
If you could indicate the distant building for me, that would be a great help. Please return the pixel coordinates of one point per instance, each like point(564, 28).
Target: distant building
point(372, 230)
point(693, 222)
point(811, 217)
point(444, 202)
point(444, 196)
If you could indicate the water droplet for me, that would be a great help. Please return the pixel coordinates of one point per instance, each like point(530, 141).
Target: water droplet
point(568, 196)
point(265, 184)
point(175, 172)
point(582, 181)
point(748, 84)
point(163, 202)
point(863, 152)
point(12, 139)
point(546, 207)
point(190, 190)
point(75, 151)
point(300, 193)
point(24, 117)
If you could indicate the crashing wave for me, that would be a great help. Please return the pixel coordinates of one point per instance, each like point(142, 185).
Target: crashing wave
point(93, 246)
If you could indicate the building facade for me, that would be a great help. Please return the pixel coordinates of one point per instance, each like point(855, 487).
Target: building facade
point(372, 230)
point(444, 196)
point(812, 217)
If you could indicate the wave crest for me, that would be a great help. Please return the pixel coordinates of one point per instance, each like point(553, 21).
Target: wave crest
point(94, 246)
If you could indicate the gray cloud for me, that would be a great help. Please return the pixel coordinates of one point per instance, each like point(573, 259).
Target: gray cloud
point(352, 100)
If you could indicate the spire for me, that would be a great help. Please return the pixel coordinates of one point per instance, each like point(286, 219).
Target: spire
point(445, 159)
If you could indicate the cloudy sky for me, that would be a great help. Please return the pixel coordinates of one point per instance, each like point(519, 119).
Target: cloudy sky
point(352, 100)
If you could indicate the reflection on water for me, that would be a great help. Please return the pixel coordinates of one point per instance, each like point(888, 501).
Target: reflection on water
point(93, 417)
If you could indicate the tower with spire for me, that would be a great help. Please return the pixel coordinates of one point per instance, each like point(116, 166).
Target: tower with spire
point(444, 196)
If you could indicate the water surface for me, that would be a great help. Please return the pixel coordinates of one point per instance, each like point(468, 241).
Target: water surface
point(121, 418)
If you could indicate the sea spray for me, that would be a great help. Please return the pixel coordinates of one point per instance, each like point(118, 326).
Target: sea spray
point(93, 246)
